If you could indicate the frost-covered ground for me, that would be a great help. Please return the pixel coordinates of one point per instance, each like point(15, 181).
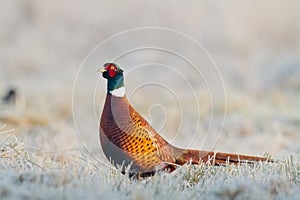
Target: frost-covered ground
point(45, 153)
point(27, 175)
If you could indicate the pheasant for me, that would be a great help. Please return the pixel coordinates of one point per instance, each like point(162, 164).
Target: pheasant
point(127, 139)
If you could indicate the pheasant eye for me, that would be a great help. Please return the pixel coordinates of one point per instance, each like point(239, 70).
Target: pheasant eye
point(112, 68)
point(112, 71)
point(109, 67)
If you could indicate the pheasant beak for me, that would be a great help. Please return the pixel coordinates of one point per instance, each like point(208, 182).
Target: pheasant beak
point(102, 70)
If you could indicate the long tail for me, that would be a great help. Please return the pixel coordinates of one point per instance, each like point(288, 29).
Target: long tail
point(214, 158)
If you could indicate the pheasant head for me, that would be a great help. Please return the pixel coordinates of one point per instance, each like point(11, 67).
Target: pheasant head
point(114, 74)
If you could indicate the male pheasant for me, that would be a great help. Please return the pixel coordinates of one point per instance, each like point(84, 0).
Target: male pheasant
point(128, 139)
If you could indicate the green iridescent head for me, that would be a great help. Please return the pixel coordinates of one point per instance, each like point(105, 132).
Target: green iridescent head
point(114, 75)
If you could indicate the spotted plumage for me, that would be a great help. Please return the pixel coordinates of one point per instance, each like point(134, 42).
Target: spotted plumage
point(128, 139)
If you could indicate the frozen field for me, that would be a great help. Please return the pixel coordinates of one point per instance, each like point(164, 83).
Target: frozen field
point(247, 103)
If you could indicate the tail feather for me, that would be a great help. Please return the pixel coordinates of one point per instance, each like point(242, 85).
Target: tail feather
point(214, 158)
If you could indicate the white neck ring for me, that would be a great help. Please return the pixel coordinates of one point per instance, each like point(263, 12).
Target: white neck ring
point(119, 92)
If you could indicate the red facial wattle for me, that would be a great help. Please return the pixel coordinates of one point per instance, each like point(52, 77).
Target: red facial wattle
point(112, 70)
point(112, 73)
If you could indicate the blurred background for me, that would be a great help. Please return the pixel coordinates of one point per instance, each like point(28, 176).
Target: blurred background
point(255, 44)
